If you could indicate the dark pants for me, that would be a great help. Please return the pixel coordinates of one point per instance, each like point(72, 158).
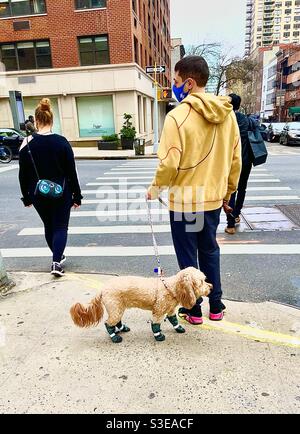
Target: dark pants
point(238, 198)
point(55, 215)
point(199, 249)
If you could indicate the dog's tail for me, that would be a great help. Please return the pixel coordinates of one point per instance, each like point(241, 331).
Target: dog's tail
point(88, 316)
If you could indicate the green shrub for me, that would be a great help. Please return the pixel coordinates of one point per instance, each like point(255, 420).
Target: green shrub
point(111, 138)
point(128, 131)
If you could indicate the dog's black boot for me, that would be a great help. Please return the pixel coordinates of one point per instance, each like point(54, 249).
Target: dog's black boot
point(112, 333)
point(122, 328)
point(174, 321)
point(159, 337)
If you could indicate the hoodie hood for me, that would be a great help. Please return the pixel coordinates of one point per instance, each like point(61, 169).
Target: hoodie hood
point(214, 109)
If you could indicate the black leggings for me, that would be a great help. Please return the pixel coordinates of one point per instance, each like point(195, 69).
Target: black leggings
point(55, 215)
point(238, 198)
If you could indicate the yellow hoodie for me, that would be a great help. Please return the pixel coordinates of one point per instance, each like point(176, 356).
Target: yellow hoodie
point(200, 154)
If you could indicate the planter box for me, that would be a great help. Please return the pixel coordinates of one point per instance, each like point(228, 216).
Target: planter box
point(108, 146)
point(127, 143)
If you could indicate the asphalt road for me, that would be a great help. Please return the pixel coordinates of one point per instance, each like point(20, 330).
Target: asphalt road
point(247, 277)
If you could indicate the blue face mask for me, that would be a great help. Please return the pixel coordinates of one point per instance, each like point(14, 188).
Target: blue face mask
point(179, 92)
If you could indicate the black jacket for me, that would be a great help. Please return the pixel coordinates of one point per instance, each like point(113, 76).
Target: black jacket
point(54, 160)
point(245, 125)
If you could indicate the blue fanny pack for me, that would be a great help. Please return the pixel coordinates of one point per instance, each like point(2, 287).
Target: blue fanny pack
point(44, 187)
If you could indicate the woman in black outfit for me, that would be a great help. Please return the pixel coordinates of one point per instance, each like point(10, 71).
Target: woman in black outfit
point(54, 160)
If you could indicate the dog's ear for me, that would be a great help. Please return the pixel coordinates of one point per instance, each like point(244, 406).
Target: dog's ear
point(200, 286)
point(185, 288)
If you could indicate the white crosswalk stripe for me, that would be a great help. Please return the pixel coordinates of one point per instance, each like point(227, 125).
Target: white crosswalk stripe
point(122, 182)
point(9, 168)
point(280, 150)
point(134, 251)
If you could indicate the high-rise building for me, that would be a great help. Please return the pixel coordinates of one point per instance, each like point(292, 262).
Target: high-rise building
point(272, 22)
point(89, 57)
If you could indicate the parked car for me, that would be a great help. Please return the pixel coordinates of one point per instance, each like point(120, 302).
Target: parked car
point(12, 138)
point(274, 131)
point(290, 134)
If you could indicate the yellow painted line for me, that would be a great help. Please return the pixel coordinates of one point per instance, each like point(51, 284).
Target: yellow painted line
point(92, 283)
point(251, 333)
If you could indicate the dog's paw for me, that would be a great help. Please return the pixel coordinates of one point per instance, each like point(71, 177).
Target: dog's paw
point(116, 339)
point(160, 338)
point(180, 330)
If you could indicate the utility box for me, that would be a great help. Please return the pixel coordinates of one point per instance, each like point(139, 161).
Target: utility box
point(17, 109)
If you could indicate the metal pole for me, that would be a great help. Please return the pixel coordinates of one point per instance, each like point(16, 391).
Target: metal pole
point(281, 76)
point(155, 147)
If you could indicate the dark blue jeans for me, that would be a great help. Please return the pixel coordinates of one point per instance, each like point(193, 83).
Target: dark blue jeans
point(199, 249)
point(55, 215)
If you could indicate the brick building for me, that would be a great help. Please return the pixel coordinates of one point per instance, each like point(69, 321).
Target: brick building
point(280, 89)
point(89, 57)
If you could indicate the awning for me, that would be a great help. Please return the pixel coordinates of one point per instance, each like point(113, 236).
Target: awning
point(294, 110)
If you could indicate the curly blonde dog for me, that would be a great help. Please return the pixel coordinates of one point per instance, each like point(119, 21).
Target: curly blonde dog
point(161, 296)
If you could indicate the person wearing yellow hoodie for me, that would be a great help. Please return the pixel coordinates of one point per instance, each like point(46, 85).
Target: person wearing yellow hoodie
point(200, 164)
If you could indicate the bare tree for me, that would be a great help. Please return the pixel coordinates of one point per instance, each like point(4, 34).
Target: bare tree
point(207, 50)
point(228, 71)
point(225, 70)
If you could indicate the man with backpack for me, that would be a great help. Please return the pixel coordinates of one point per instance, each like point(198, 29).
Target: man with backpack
point(246, 124)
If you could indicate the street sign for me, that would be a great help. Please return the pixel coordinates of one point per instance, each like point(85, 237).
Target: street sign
point(159, 69)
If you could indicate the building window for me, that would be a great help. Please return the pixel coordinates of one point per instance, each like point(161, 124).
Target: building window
point(26, 55)
point(30, 105)
point(145, 114)
point(134, 6)
point(140, 114)
point(90, 4)
point(95, 116)
point(136, 50)
point(94, 50)
point(15, 8)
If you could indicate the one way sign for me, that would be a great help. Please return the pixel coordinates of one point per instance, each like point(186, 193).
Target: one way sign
point(158, 69)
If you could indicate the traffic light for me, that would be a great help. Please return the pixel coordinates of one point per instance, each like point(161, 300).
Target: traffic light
point(166, 94)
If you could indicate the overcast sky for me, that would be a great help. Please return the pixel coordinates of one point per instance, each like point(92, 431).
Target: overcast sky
point(210, 20)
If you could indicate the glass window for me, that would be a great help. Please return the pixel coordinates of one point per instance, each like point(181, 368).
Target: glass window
point(90, 4)
point(15, 8)
point(4, 9)
point(9, 57)
point(94, 50)
point(26, 55)
point(20, 7)
point(43, 54)
point(95, 116)
point(30, 105)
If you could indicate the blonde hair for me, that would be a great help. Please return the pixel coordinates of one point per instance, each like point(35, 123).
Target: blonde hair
point(44, 113)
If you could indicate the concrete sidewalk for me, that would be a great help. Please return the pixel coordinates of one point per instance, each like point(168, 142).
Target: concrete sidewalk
point(248, 363)
point(94, 154)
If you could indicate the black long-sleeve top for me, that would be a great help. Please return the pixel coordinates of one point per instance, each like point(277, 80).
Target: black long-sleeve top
point(54, 160)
